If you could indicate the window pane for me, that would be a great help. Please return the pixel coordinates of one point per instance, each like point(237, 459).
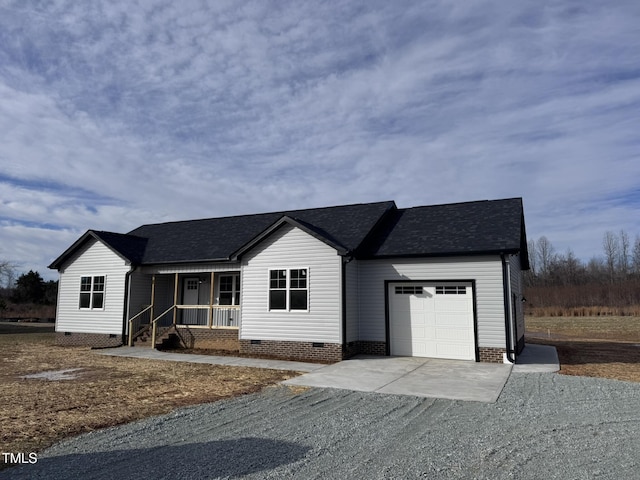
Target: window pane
point(225, 298)
point(298, 299)
point(98, 300)
point(298, 278)
point(277, 300)
point(226, 283)
point(98, 284)
point(85, 300)
point(85, 284)
point(277, 279)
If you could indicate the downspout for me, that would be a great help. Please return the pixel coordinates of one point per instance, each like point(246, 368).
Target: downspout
point(506, 288)
point(127, 298)
point(343, 294)
point(345, 261)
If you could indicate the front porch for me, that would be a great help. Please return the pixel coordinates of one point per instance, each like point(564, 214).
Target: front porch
point(200, 309)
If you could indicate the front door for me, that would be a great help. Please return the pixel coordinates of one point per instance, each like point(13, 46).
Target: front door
point(190, 296)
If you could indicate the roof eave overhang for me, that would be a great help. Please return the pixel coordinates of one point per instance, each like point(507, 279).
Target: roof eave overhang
point(187, 262)
point(440, 254)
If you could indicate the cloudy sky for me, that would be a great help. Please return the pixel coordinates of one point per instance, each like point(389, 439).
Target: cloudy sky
point(118, 113)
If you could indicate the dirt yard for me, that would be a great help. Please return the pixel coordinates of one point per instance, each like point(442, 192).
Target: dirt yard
point(96, 391)
point(101, 391)
point(607, 347)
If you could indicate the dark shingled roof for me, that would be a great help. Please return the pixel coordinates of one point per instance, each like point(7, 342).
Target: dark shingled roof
point(128, 246)
point(370, 230)
point(489, 226)
point(218, 238)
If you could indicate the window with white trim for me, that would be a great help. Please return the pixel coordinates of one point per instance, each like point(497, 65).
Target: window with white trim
point(229, 287)
point(289, 289)
point(92, 292)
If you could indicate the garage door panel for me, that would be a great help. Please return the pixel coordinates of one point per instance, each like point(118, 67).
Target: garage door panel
point(427, 324)
point(452, 350)
point(452, 306)
point(452, 320)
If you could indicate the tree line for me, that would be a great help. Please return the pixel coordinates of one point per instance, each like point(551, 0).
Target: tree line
point(26, 289)
point(605, 284)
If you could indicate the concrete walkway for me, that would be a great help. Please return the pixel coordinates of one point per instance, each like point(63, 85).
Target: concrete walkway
point(421, 377)
point(537, 359)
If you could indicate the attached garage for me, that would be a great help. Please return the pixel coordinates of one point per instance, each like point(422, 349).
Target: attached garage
point(432, 319)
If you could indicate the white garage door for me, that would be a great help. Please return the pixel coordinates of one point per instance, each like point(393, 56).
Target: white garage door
point(432, 320)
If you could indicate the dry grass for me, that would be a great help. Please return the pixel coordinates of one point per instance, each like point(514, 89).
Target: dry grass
point(584, 311)
point(607, 347)
point(108, 390)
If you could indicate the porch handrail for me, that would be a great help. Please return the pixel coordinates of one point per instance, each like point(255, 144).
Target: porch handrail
point(133, 334)
point(187, 307)
point(154, 324)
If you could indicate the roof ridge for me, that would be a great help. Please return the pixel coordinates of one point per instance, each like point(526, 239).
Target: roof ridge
point(468, 202)
point(278, 212)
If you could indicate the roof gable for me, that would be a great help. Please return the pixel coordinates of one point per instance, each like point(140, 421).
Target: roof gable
point(128, 247)
point(286, 220)
point(489, 226)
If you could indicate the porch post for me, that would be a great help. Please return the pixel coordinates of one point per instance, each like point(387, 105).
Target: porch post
point(213, 277)
point(175, 298)
point(153, 295)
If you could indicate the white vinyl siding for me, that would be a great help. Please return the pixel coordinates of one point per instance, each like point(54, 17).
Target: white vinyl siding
point(292, 248)
point(486, 271)
point(94, 259)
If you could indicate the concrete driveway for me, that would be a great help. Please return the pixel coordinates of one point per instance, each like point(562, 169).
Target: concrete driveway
point(428, 377)
point(420, 377)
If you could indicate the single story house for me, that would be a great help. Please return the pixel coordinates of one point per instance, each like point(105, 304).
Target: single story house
point(441, 281)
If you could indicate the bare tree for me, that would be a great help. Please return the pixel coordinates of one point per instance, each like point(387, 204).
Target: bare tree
point(7, 273)
point(623, 254)
point(545, 252)
point(533, 258)
point(611, 247)
point(635, 256)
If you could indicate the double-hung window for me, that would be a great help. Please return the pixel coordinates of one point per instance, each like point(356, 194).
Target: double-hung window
point(289, 289)
point(92, 292)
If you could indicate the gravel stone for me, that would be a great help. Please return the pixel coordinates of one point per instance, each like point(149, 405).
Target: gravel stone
point(542, 426)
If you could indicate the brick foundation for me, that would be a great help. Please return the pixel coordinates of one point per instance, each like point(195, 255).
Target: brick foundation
point(96, 340)
point(303, 351)
point(367, 347)
point(492, 355)
point(210, 338)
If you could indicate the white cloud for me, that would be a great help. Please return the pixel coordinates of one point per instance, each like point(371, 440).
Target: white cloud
point(116, 114)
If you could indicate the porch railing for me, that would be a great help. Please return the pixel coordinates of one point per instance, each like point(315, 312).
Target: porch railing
point(212, 316)
point(209, 315)
point(161, 321)
point(138, 324)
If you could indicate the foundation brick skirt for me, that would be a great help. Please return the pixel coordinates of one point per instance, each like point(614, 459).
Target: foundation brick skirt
point(303, 351)
point(492, 355)
point(97, 340)
point(367, 347)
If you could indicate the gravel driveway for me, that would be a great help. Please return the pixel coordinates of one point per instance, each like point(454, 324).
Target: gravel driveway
point(543, 426)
